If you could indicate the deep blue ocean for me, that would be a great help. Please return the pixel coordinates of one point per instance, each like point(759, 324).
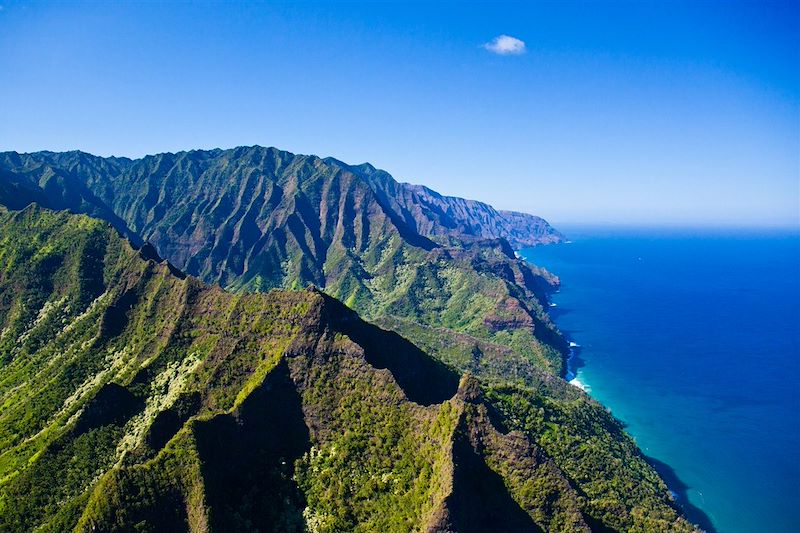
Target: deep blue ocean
point(693, 341)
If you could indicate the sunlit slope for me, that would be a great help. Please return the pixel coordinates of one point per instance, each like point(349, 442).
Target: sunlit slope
point(256, 218)
point(134, 397)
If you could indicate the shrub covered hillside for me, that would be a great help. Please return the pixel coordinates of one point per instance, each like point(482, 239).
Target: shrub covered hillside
point(254, 218)
point(135, 398)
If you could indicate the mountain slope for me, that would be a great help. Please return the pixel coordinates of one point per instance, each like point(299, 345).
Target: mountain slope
point(434, 215)
point(255, 218)
point(136, 398)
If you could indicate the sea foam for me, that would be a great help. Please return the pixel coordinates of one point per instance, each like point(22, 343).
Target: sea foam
point(580, 384)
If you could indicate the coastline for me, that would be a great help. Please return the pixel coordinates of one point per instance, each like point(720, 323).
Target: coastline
point(571, 373)
point(644, 354)
point(676, 487)
point(571, 359)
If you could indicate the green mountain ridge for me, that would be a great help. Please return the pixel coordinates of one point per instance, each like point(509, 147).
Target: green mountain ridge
point(135, 398)
point(254, 218)
point(434, 215)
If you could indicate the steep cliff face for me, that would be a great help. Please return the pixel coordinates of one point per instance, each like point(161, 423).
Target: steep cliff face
point(437, 216)
point(137, 398)
point(233, 205)
point(257, 218)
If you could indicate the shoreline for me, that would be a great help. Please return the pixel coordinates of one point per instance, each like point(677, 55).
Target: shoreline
point(677, 489)
point(571, 373)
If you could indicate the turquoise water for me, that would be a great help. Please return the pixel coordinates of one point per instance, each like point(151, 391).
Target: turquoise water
point(694, 343)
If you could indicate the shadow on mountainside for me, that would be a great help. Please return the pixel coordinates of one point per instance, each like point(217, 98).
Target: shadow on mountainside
point(248, 459)
point(424, 380)
point(480, 500)
point(693, 513)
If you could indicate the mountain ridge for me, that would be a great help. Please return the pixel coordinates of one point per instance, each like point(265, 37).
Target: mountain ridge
point(138, 397)
point(542, 234)
point(531, 231)
point(254, 218)
point(446, 216)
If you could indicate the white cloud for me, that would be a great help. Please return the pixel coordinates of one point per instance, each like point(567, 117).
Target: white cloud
point(505, 45)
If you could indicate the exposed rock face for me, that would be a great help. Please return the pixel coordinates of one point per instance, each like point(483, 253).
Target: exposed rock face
point(137, 399)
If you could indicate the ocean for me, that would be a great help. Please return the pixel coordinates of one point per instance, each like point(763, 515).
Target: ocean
point(693, 341)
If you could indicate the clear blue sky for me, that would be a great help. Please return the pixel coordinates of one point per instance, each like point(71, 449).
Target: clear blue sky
point(625, 112)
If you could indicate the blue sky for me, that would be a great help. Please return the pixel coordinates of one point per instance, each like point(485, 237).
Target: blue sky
point(613, 113)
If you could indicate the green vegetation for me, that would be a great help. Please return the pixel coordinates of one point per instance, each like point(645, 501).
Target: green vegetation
point(88, 374)
point(596, 455)
point(135, 398)
point(253, 218)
